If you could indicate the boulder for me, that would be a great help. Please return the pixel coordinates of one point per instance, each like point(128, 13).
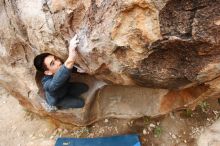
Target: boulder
point(167, 53)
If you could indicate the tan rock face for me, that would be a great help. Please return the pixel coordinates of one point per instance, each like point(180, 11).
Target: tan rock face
point(156, 44)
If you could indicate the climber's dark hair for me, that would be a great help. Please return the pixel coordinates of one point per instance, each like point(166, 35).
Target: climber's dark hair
point(39, 62)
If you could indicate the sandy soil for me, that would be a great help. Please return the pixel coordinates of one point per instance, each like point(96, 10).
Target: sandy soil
point(183, 128)
point(21, 128)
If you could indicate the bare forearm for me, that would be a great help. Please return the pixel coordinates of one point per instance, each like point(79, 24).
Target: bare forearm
point(72, 53)
point(69, 62)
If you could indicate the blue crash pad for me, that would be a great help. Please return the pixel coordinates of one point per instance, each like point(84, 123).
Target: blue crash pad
point(123, 140)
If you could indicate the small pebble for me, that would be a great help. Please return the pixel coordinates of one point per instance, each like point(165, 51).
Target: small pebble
point(144, 132)
point(152, 125)
point(173, 136)
point(215, 112)
point(65, 131)
point(59, 130)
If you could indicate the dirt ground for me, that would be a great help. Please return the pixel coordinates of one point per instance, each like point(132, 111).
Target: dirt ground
point(20, 127)
point(183, 128)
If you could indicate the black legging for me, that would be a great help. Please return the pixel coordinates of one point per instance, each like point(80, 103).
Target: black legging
point(73, 99)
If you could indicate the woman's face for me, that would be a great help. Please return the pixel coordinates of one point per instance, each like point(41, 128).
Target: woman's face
point(53, 64)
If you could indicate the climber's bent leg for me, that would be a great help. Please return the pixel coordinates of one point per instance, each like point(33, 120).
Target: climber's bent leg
point(76, 88)
point(70, 102)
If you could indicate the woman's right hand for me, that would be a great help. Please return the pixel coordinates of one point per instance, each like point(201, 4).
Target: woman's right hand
point(72, 47)
point(72, 52)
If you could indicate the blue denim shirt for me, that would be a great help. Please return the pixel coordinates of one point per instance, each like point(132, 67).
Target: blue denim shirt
point(56, 86)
